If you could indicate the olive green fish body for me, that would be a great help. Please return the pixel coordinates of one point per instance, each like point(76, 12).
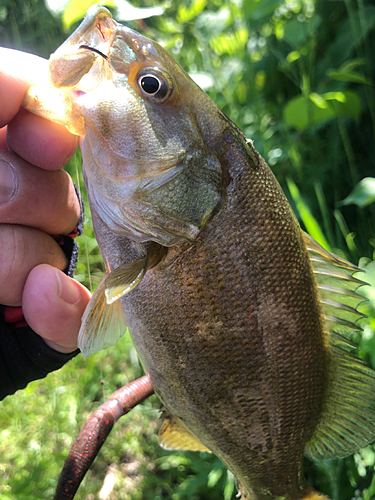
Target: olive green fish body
point(241, 320)
point(230, 331)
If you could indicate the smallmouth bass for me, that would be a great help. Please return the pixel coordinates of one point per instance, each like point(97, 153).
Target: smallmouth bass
point(240, 319)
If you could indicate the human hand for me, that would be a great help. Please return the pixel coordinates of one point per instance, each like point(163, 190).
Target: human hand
point(37, 199)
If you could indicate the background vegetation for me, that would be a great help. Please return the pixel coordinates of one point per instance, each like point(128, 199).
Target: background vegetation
point(297, 76)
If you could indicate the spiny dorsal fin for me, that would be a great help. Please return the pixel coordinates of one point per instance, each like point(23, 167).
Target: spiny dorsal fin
point(347, 421)
point(173, 435)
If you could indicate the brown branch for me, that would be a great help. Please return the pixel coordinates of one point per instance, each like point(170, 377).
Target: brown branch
point(95, 432)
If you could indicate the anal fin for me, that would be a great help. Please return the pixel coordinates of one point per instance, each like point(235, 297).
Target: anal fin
point(174, 435)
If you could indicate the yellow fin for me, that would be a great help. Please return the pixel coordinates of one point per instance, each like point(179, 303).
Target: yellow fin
point(173, 435)
point(314, 495)
point(102, 325)
point(123, 279)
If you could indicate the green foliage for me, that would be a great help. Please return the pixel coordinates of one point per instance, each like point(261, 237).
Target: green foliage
point(297, 76)
point(302, 112)
point(363, 193)
point(311, 224)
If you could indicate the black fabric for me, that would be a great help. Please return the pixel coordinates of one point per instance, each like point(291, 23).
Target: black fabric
point(24, 356)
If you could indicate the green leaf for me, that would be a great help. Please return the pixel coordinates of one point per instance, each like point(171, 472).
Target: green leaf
point(311, 224)
point(303, 111)
point(296, 32)
point(214, 476)
point(186, 14)
point(369, 493)
point(230, 43)
point(346, 72)
point(257, 9)
point(345, 76)
point(293, 56)
point(229, 487)
point(363, 193)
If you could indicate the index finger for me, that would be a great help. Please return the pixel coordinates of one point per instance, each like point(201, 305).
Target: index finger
point(35, 139)
point(18, 71)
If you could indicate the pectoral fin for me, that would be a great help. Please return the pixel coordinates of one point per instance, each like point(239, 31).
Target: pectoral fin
point(123, 279)
point(173, 435)
point(102, 325)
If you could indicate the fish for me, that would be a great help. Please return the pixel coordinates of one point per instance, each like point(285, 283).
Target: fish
point(241, 320)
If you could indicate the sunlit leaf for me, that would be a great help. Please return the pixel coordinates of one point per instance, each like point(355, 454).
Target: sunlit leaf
point(186, 14)
point(230, 43)
point(303, 111)
point(293, 56)
point(311, 224)
point(214, 476)
point(363, 194)
point(345, 76)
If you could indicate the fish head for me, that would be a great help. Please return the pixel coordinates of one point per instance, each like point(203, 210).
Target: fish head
point(149, 170)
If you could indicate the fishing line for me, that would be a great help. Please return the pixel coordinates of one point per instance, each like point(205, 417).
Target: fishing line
point(84, 236)
point(86, 251)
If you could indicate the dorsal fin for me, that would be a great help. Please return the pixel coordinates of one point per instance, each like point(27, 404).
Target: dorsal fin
point(337, 289)
point(347, 421)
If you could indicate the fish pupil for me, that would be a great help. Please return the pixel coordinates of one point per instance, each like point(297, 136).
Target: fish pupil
point(150, 84)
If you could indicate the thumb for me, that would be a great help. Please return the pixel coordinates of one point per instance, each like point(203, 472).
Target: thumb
point(53, 305)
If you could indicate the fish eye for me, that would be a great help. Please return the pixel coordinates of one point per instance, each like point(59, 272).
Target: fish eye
point(150, 84)
point(154, 84)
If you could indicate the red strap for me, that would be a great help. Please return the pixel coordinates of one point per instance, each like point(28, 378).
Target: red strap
point(14, 315)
